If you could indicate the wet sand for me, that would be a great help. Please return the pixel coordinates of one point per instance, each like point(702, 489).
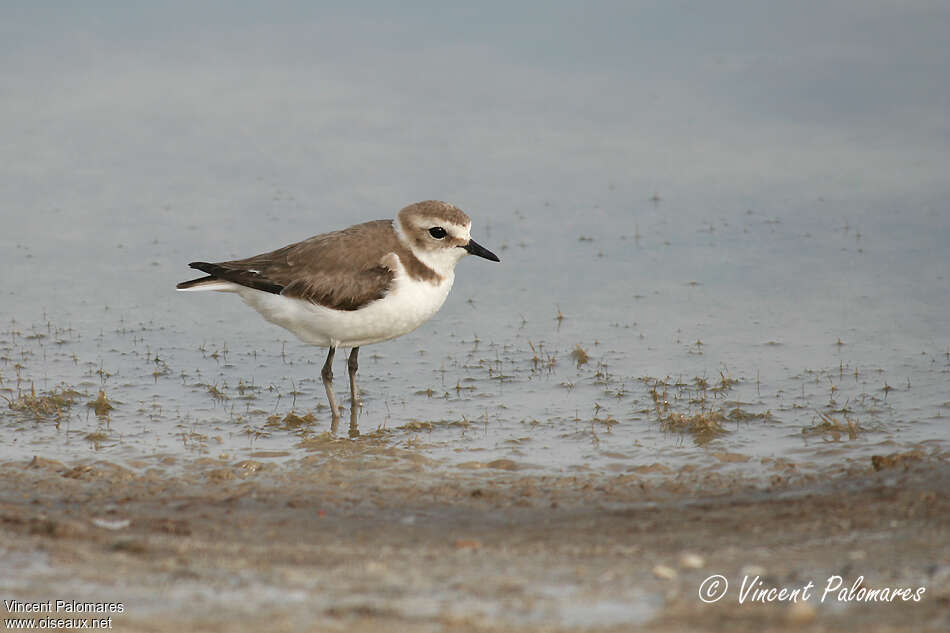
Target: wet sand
point(363, 537)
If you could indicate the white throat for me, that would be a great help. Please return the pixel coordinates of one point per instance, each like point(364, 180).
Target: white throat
point(443, 260)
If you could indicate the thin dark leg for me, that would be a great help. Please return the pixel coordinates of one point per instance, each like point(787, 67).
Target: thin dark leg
point(327, 375)
point(352, 365)
point(354, 427)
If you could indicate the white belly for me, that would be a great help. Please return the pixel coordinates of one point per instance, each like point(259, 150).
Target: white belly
point(410, 304)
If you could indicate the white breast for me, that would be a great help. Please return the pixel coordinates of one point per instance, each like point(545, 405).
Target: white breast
point(407, 306)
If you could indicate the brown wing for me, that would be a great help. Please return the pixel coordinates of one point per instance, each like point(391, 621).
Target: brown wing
point(339, 270)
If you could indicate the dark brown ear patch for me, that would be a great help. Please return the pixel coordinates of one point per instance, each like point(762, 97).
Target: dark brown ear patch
point(418, 239)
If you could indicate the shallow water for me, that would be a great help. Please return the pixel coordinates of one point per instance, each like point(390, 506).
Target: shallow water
point(788, 273)
point(729, 317)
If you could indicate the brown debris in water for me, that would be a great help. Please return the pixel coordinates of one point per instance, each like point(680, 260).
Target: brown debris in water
point(731, 458)
point(833, 427)
point(100, 405)
point(416, 425)
point(291, 421)
point(704, 426)
point(52, 404)
point(46, 464)
point(892, 460)
point(699, 420)
point(738, 415)
point(580, 356)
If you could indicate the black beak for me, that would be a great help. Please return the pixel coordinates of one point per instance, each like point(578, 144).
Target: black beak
point(475, 248)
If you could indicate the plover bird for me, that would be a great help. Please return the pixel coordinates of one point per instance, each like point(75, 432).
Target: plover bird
point(366, 284)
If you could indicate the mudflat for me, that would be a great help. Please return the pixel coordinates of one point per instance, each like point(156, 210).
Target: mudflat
point(382, 539)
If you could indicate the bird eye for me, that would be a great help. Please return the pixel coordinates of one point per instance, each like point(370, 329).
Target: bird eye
point(437, 232)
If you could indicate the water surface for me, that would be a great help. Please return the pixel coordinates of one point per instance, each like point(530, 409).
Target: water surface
point(752, 233)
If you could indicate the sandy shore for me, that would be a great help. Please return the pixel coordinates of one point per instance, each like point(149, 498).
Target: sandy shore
point(352, 539)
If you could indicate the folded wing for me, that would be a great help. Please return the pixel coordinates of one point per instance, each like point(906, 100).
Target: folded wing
point(340, 270)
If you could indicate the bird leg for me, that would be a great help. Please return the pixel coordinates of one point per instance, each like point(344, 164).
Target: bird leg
point(327, 375)
point(352, 365)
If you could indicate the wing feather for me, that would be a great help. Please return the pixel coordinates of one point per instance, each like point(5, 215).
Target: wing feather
point(341, 270)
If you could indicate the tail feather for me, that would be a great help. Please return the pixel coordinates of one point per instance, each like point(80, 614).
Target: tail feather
point(223, 278)
point(205, 283)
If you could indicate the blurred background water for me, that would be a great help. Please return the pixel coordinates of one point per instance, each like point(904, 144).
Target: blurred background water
point(734, 212)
